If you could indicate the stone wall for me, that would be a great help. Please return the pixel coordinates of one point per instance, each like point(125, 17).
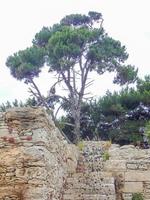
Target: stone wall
point(34, 157)
point(37, 163)
point(126, 168)
point(90, 182)
point(131, 168)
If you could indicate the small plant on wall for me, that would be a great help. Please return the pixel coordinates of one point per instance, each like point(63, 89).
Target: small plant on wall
point(105, 156)
point(137, 196)
point(80, 145)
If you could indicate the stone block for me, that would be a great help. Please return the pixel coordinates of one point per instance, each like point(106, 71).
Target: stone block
point(143, 166)
point(137, 176)
point(115, 165)
point(132, 166)
point(127, 196)
point(147, 187)
point(146, 196)
point(133, 187)
point(138, 165)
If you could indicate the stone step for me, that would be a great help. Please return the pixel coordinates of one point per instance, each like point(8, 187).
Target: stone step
point(99, 175)
point(75, 196)
point(94, 186)
point(91, 166)
point(89, 189)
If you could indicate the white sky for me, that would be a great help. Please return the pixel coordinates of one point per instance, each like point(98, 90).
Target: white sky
point(20, 20)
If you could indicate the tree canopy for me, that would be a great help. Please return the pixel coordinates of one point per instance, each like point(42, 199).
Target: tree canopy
point(26, 64)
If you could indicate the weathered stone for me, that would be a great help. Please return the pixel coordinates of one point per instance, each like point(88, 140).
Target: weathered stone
point(132, 166)
point(133, 187)
point(35, 156)
point(137, 176)
point(115, 165)
point(127, 196)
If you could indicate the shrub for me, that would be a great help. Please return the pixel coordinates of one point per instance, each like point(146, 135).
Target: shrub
point(137, 196)
point(105, 156)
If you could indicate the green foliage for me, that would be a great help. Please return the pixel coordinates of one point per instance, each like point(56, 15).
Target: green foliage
point(126, 74)
point(29, 102)
point(41, 38)
point(144, 84)
point(80, 145)
point(27, 63)
point(112, 106)
point(137, 196)
point(128, 132)
point(105, 156)
point(63, 45)
point(76, 36)
point(75, 20)
point(81, 20)
point(106, 54)
point(147, 130)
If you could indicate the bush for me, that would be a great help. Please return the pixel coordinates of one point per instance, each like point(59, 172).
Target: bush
point(105, 156)
point(137, 196)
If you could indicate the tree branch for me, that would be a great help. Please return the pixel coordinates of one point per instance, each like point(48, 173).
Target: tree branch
point(39, 95)
point(81, 93)
point(57, 111)
point(89, 84)
point(67, 82)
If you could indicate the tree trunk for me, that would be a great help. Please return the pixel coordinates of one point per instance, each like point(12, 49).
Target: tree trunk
point(76, 112)
point(77, 135)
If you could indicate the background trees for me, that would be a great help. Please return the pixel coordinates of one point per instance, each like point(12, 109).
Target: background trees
point(111, 107)
point(72, 49)
point(29, 102)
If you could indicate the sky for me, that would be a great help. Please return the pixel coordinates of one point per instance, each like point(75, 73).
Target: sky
point(20, 20)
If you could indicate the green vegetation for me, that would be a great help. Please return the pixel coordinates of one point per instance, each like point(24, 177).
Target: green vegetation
point(80, 145)
point(137, 196)
point(110, 107)
point(147, 130)
point(16, 103)
point(105, 156)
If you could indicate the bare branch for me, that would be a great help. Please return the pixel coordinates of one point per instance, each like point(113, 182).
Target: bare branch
point(87, 68)
point(89, 84)
point(57, 111)
point(89, 98)
point(38, 94)
point(59, 80)
point(74, 82)
point(101, 23)
point(87, 93)
point(67, 82)
point(60, 97)
point(33, 93)
point(69, 124)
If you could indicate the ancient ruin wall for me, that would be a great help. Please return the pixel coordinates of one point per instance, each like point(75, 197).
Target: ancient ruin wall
point(34, 157)
point(131, 168)
point(37, 163)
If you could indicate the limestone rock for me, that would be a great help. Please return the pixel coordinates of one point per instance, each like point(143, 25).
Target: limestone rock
point(35, 159)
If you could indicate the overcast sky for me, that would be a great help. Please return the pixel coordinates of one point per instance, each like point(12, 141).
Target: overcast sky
point(20, 20)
